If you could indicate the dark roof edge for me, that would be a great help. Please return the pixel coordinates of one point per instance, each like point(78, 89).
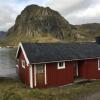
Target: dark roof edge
point(65, 60)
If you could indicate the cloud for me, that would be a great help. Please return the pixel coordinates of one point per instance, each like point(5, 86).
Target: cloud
point(77, 11)
point(9, 9)
point(8, 13)
point(7, 16)
point(67, 6)
point(87, 15)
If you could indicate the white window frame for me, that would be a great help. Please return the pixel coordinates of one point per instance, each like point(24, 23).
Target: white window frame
point(23, 64)
point(17, 63)
point(60, 67)
point(99, 64)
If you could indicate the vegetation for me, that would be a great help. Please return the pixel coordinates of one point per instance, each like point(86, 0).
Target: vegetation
point(39, 24)
point(35, 20)
point(11, 89)
point(35, 39)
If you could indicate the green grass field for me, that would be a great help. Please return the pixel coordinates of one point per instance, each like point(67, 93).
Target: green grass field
point(14, 90)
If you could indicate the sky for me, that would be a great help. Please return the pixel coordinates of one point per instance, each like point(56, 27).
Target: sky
point(75, 11)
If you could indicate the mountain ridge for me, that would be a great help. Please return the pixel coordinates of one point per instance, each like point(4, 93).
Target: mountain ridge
point(42, 24)
point(2, 34)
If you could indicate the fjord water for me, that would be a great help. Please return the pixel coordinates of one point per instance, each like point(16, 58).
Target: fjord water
point(8, 62)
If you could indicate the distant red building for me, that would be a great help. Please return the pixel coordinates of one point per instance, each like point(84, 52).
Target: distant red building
point(49, 65)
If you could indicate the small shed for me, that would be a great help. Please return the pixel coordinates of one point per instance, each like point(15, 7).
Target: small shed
point(43, 65)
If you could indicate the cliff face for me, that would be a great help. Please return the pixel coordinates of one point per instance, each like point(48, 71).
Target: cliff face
point(39, 24)
point(35, 20)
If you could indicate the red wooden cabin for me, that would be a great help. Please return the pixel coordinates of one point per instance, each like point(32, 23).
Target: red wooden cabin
point(49, 65)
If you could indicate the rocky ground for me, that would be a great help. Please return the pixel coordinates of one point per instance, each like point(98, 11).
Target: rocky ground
point(95, 96)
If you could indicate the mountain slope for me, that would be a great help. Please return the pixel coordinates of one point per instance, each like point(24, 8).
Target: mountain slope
point(87, 31)
point(2, 34)
point(37, 21)
point(39, 24)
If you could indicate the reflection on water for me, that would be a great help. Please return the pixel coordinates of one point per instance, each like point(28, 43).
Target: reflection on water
point(7, 62)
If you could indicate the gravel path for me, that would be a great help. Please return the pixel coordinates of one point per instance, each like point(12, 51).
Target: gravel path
point(95, 96)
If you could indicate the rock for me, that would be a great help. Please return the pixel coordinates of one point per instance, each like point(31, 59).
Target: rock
point(35, 20)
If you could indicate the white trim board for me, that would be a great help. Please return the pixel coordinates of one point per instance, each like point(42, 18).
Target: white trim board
point(99, 64)
point(34, 75)
point(18, 50)
point(77, 68)
point(31, 76)
point(45, 68)
point(26, 58)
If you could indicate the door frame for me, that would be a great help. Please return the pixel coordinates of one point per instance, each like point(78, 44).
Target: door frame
point(76, 69)
point(45, 75)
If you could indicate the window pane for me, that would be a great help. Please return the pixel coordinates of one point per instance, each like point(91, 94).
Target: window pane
point(40, 68)
point(23, 63)
point(61, 64)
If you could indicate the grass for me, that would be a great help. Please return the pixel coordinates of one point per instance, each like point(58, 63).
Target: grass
point(13, 40)
point(11, 89)
point(83, 36)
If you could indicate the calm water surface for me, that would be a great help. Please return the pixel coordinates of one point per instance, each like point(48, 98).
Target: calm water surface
point(7, 62)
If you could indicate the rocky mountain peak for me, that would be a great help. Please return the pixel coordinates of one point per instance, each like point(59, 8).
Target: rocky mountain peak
point(35, 20)
point(42, 24)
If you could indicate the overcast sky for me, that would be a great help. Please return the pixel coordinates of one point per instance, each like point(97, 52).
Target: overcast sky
point(75, 11)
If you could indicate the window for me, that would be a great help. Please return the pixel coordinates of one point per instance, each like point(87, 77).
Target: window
point(99, 64)
point(17, 62)
point(23, 63)
point(61, 65)
point(40, 68)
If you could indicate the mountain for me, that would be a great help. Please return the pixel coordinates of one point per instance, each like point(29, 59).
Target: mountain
point(88, 32)
point(42, 24)
point(2, 34)
point(35, 21)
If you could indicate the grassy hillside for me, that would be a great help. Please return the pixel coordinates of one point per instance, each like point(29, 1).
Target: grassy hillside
point(86, 32)
point(35, 20)
point(14, 90)
point(14, 40)
point(42, 24)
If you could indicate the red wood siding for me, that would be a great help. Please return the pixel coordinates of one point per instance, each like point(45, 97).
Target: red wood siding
point(59, 77)
point(23, 73)
point(88, 69)
point(33, 74)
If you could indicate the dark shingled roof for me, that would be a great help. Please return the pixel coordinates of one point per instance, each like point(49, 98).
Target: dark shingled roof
point(48, 52)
